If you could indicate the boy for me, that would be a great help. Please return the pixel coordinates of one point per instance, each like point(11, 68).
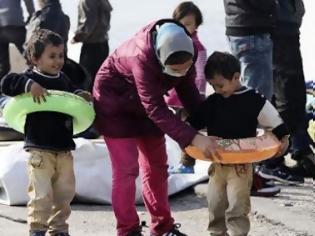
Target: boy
point(233, 111)
point(48, 136)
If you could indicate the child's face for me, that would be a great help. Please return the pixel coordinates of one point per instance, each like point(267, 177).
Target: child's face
point(223, 86)
point(51, 61)
point(189, 22)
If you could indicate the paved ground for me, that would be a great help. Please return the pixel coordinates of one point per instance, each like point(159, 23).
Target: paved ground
point(292, 213)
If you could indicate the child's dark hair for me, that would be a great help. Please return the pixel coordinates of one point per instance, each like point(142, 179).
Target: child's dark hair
point(179, 57)
point(37, 43)
point(222, 63)
point(185, 9)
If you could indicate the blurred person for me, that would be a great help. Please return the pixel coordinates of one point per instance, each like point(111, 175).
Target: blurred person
point(93, 26)
point(190, 16)
point(234, 111)
point(133, 118)
point(12, 29)
point(290, 92)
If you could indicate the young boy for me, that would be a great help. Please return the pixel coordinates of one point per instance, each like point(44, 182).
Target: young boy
point(232, 112)
point(48, 136)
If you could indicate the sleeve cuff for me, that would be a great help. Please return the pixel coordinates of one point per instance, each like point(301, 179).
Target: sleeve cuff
point(280, 131)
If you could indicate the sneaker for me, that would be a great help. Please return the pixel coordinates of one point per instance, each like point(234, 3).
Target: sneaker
point(174, 231)
point(138, 232)
point(263, 188)
point(37, 233)
point(281, 173)
point(305, 163)
point(181, 169)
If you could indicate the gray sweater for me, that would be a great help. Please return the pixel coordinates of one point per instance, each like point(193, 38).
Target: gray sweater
point(11, 13)
point(94, 21)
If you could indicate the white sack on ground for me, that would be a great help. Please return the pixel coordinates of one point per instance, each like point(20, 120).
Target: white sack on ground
point(92, 169)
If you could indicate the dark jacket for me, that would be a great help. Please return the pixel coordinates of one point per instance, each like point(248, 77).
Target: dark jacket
point(237, 116)
point(50, 17)
point(129, 88)
point(11, 12)
point(43, 130)
point(289, 17)
point(248, 17)
point(94, 21)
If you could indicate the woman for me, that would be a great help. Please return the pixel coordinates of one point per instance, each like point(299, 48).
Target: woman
point(133, 117)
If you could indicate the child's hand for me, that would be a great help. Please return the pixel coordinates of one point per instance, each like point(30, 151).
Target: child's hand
point(283, 147)
point(207, 144)
point(38, 92)
point(85, 95)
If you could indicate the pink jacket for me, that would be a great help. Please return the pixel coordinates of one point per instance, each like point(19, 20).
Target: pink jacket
point(129, 88)
point(172, 99)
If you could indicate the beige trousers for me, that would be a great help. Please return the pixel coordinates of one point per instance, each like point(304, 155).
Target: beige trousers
point(229, 199)
point(51, 189)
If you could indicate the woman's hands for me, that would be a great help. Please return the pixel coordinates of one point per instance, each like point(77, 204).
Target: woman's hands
point(207, 144)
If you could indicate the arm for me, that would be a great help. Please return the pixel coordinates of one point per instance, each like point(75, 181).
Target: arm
point(147, 83)
point(29, 4)
point(270, 118)
point(76, 90)
point(200, 74)
point(188, 93)
point(201, 117)
point(14, 84)
point(87, 19)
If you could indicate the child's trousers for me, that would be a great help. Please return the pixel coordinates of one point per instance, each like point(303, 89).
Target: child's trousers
point(51, 189)
point(229, 199)
point(127, 155)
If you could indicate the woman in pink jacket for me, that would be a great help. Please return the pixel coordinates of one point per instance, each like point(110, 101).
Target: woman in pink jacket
point(190, 16)
point(133, 117)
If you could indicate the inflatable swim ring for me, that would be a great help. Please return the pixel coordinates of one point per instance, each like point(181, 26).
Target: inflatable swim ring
point(238, 151)
point(17, 108)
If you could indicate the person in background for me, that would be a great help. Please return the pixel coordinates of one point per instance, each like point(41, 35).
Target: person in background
point(93, 26)
point(48, 135)
point(249, 25)
point(12, 29)
point(234, 111)
point(51, 17)
point(190, 16)
point(133, 118)
point(290, 92)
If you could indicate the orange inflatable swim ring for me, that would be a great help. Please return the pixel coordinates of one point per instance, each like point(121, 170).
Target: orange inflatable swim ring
point(241, 151)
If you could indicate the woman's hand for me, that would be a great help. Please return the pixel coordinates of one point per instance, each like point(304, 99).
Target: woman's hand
point(38, 92)
point(283, 147)
point(207, 144)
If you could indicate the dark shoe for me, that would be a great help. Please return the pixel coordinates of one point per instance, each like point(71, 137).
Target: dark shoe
point(138, 232)
point(37, 233)
point(61, 234)
point(263, 188)
point(305, 163)
point(281, 173)
point(174, 231)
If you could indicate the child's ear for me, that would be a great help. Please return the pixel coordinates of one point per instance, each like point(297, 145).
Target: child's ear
point(237, 75)
point(34, 61)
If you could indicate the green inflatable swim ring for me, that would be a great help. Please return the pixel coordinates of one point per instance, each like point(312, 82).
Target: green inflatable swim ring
point(17, 108)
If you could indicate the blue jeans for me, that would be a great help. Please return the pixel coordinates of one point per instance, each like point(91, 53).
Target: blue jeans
point(255, 55)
